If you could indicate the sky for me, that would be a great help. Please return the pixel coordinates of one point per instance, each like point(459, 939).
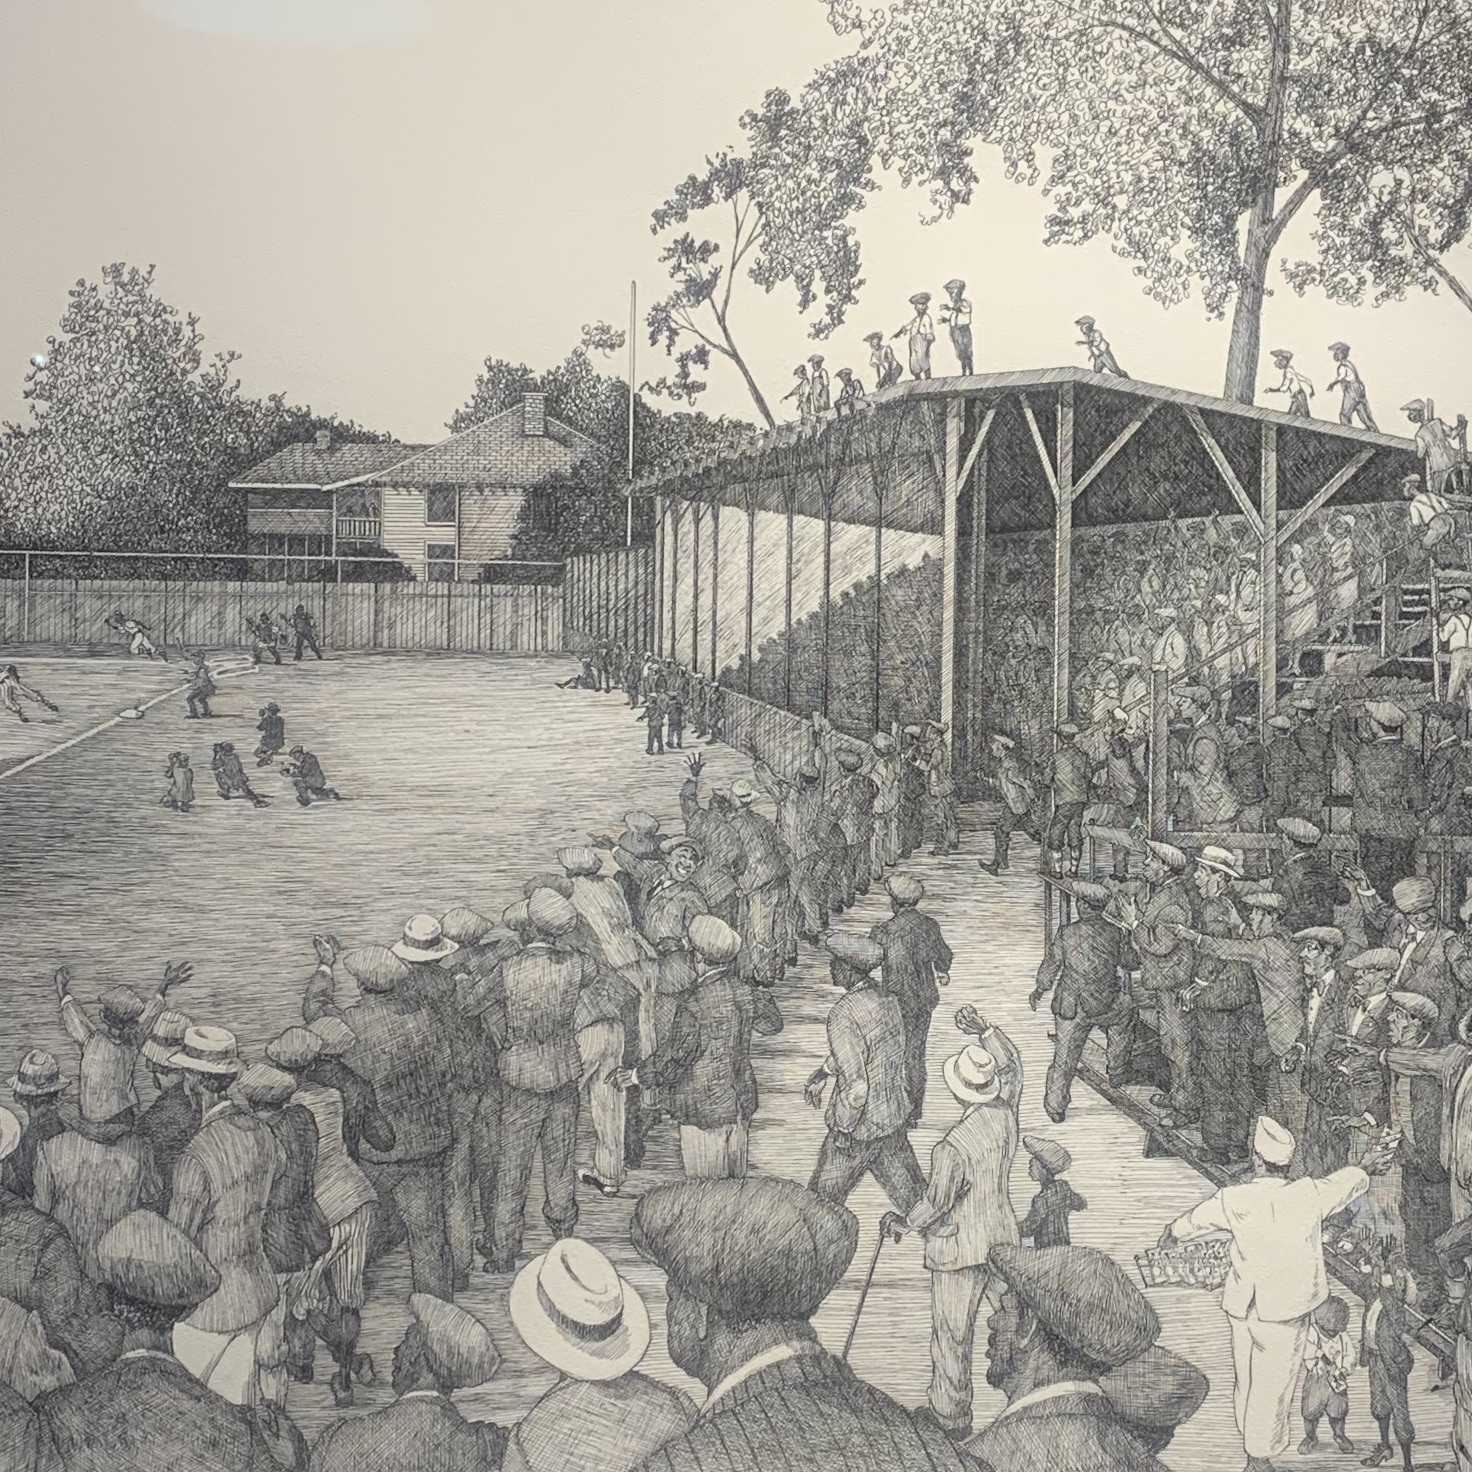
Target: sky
point(366, 198)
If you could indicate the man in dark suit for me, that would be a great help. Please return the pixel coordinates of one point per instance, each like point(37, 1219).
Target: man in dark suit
point(40, 1271)
point(363, 1121)
point(1308, 772)
point(169, 1123)
point(1323, 1146)
point(748, 1264)
point(1389, 792)
point(917, 962)
point(869, 1102)
point(1431, 960)
point(1067, 1317)
point(443, 1350)
point(1083, 965)
point(1167, 964)
point(1305, 877)
point(37, 1086)
point(147, 1411)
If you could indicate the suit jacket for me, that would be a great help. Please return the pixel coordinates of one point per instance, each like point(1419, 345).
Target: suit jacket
point(295, 1234)
point(1077, 1432)
point(419, 1432)
point(40, 1271)
point(914, 953)
point(397, 1049)
point(608, 1424)
point(767, 858)
point(1389, 789)
point(168, 1125)
point(723, 856)
point(18, 1170)
point(866, 1055)
point(1430, 968)
point(541, 987)
point(1167, 961)
point(221, 1189)
point(1308, 769)
point(802, 1414)
point(145, 1413)
point(1276, 971)
point(363, 1121)
point(1310, 890)
point(1323, 1044)
point(89, 1186)
point(337, 1182)
point(1277, 1231)
point(20, 1441)
point(967, 1206)
point(1084, 967)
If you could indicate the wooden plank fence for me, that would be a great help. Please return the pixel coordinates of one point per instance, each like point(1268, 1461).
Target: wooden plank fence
point(476, 618)
point(610, 595)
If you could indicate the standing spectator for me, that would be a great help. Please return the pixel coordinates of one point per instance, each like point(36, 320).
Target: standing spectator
point(1082, 971)
point(1069, 776)
point(940, 788)
point(722, 855)
point(1294, 384)
point(965, 1212)
point(1280, 755)
point(913, 785)
point(884, 772)
point(1389, 792)
point(855, 803)
point(956, 314)
point(1454, 629)
point(1387, 1356)
point(674, 715)
point(1312, 759)
point(363, 1120)
point(1245, 771)
point(917, 962)
point(763, 887)
point(1304, 875)
point(1354, 404)
point(443, 1350)
point(1047, 1218)
point(1168, 650)
point(1101, 355)
point(869, 1101)
point(1324, 1146)
point(1433, 445)
point(1341, 578)
point(1015, 811)
point(305, 631)
point(652, 713)
point(819, 389)
point(1429, 960)
point(540, 1069)
point(575, 1313)
point(920, 332)
point(1167, 967)
point(37, 1086)
point(887, 370)
point(222, 1186)
point(1328, 1360)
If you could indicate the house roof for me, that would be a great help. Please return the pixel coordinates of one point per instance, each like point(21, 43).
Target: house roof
point(305, 467)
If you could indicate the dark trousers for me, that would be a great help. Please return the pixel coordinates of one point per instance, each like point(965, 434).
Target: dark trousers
point(917, 1034)
point(1071, 1035)
point(1426, 1212)
point(1386, 861)
point(1225, 1072)
point(306, 640)
point(1177, 1043)
point(1009, 823)
point(413, 1191)
point(945, 832)
point(677, 734)
point(1066, 829)
point(529, 1119)
point(1390, 1402)
point(199, 705)
point(889, 1159)
point(656, 739)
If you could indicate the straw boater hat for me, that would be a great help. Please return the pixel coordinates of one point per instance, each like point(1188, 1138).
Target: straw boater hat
point(971, 1075)
point(166, 1038)
point(211, 1050)
point(424, 939)
point(38, 1077)
point(575, 1312)
point(1221, 859)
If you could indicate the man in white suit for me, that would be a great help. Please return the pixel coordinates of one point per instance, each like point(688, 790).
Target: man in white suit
point(1277, 1277)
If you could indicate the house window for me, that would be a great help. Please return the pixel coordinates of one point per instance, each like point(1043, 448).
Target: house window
point(439, 562)
point(440, 505)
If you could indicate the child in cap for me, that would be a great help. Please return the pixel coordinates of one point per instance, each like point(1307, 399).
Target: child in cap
point(1046, 1221)
point(1328, 1357)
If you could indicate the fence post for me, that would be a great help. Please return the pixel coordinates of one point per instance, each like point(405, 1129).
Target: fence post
point(25, 607)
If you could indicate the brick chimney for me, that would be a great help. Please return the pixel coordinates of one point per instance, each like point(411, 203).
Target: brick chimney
point(534, 414)
point(324, 439)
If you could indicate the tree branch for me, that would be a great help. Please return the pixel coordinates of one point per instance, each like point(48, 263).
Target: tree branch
point(687, 324)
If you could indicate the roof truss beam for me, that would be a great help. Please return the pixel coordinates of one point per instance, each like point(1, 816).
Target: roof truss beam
point(1120, 441)
point(1037, 439)
point(1224, 468)
point(1327, 492)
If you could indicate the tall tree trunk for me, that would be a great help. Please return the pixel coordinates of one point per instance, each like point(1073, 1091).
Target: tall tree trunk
point(734, 353)
point(1245, 347)
point(1429, 256)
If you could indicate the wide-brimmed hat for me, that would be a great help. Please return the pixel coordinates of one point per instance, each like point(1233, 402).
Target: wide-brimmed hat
point(1157, 1390)
point(1221, 859)
point(165, 1038)
point(210, 1050)
point(38, 1077)
point(574, 1311)
point(971, 1075)
point(424, 939)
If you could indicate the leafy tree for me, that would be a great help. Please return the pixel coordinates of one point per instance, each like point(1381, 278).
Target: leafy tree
point(134, 432)
point(789, 198)
point(1190, 135)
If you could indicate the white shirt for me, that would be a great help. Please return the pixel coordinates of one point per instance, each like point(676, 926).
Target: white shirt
point(1294, 380)
point(1346, 373)
point(1425, 505)
point(1456, 631)
point(1366, 1011)
point(1316, 1000)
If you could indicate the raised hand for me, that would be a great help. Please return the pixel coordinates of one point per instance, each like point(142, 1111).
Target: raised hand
point(175, 975)
point(696, 767)
point(969, 1020)
point(326, 947)
point(63, 980)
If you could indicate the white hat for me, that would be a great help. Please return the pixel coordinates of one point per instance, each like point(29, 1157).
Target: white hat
point(208, 1050)
point(424, 939)
point(9, 1134)
point(576, 1313)
point(971, 1075)
point(1272, 1142)
point(1222, 859)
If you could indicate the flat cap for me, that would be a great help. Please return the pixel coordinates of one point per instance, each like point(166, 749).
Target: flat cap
point(1304, 702)
point(1280, 723)
point(337, 1037)
point(1068, 728)
point(1328, 936)
point(906, 889)
point(297, 1047)
point(264, 1087)
point(1081, 1297)
point(1156, 1390)
point(1168, 854)
point(753, 1248)
point(558, 883)
point(1089, 893)
point(146, 1258)
point(580, 860)
point(1386, 713)
point(376, 968)
point(1377, 958)
point(679, 841)
point(1300, 830)
point(1414, 1004)
point(882, 742)
point(549, 914)
point(1048, 1153)
point(515, 917)
point(1413, 894)
point(165, 1038)
point(121, 1005)
point(458, 1348)
point(742, 791)
point(857, 951)
point(713, 939)
point(638, 821)
point(464, 926)
point(850, 761)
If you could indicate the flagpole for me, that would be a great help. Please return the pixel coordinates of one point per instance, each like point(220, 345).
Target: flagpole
point(629, 507)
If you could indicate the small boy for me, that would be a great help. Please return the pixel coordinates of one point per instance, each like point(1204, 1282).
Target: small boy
point(1047, 1218)
point(272, 726)
point(180, 796)
point(1328, 1358)
point(1384, 1350)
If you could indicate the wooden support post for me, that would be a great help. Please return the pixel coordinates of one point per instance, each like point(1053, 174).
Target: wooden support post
point(750, 585)
point(976, 645)
point(25, 603)
point(950, 492)
point(1063, 556)
point(787, 609)
point(1267, 654)
point(673, 648)
point(658, 631)
point(878, 609)
point(715, 583)
point(827, 590)
point(694, 587)
point(1159, 728)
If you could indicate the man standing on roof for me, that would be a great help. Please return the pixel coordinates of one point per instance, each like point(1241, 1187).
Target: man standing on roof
point(802, 391)
point(1101, 355)
point(1433, 444)
point(1294, 384)
point(886, 366)
point(1454, 629)
point(920, 331)
point(818, 387)
point(956, 314)
point(1355, 404)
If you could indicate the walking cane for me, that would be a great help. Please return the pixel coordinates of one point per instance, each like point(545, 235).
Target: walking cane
point(885, 1231)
